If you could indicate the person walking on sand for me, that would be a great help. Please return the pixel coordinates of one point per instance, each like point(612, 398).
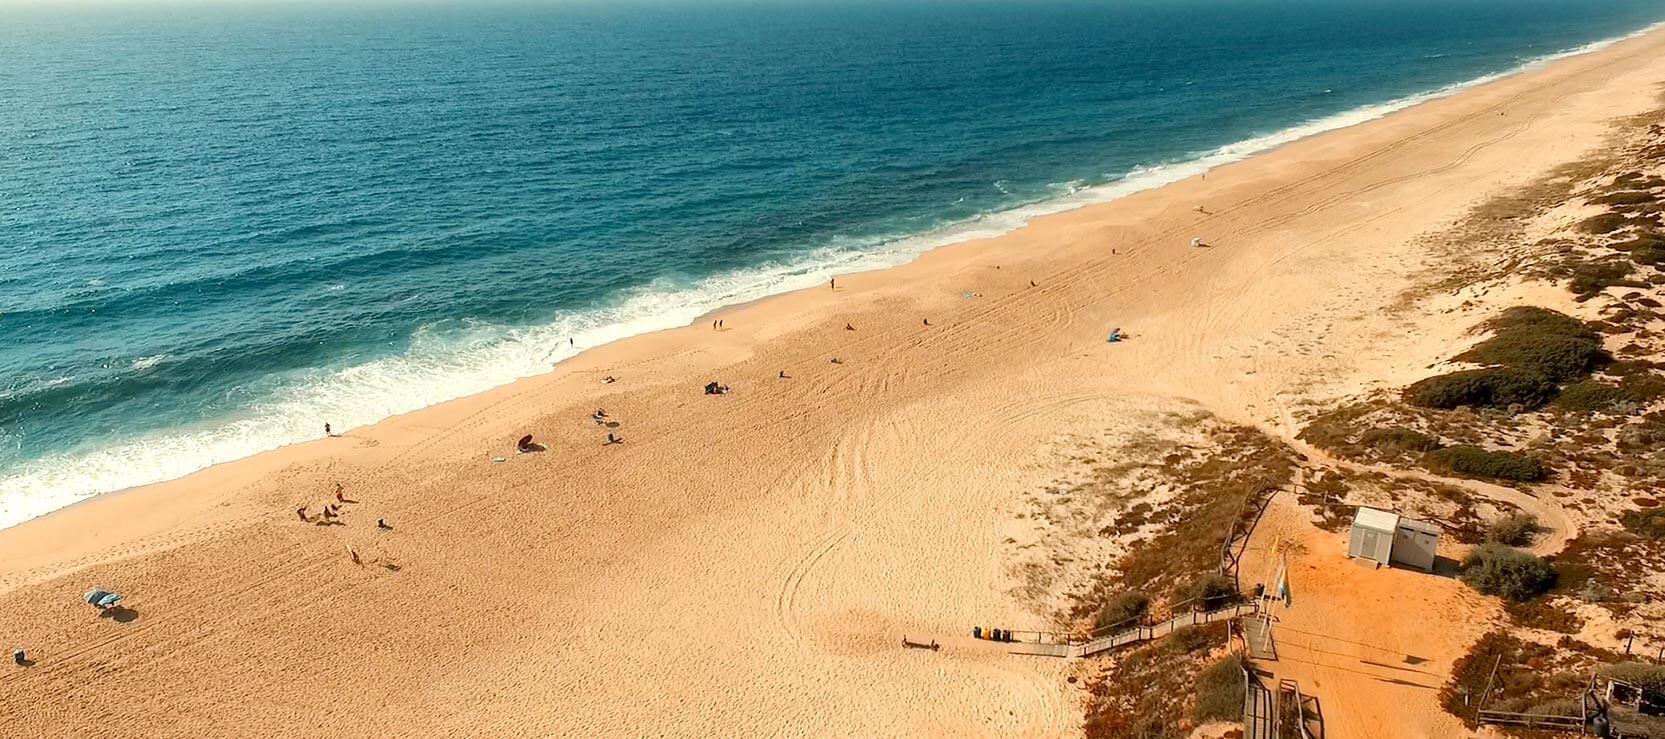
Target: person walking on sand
point(301, 511)
point(327, 431)
point(833, 283)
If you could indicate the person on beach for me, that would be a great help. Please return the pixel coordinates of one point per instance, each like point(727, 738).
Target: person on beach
point(782, 374)
point(1196, 241)
point(301, 511)
point(1031, 283)
point(848, 327)
point(833, 283)
point(381, 523)
point(927, 321)
point(327, 431)
point(571, 341)
point(719, 324)
point(611, 439)
point(340, 493)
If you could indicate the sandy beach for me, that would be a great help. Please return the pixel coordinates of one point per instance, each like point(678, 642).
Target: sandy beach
point(747, 564)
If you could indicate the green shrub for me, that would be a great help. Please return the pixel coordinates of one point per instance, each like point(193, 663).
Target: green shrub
point(1516, 529)
point(1557, 357)
point(1591, 395)
point(1540, 321)
point(1123, 610)
point(1496, 569)
point(1220, 691)
point(1395, 440)
point(1649, 523)
point(1641, 674)
point(1474, 461)
point(1593, 277)
point(1625, 197)
point(1496, 387)
point(1650, 254)
point(1604, 223)
point(1188, 639)
point(1643, 387)
point(1639, 242)
point(1211, 591)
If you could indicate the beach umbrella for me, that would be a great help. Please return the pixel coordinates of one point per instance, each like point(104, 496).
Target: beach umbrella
point(101, 598)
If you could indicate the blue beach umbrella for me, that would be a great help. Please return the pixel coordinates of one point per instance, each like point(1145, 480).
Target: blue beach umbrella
point(100, 598)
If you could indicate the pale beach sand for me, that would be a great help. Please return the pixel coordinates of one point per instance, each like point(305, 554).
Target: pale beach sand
point(748, 564)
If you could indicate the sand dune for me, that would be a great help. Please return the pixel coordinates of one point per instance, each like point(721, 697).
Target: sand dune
point(748, 564)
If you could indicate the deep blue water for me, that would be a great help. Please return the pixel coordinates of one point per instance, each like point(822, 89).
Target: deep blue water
point(219, 228)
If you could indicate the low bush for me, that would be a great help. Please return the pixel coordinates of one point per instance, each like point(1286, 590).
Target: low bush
point(1649, 523)
point(1593, 277)
point(1495, 387)
point(1595, 592)
point(1556, 357)
point(1602, 224)
point(1641, 674)
point(1591, 396)
point(1496, 569)
point(1395, 440)
point(1533, 319)
point(1220, 691)
point(1477, 462)
point(1638, 242)
point(1652, 254)
point(1123, 610)
point(1644, 434)
point(1515, 529)
point(1541, 613)
point(1625, 197)
point(1643, 387)
point(1211, 591)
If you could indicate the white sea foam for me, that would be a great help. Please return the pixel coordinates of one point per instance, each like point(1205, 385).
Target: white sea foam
point(143, 363)
point(441, 366)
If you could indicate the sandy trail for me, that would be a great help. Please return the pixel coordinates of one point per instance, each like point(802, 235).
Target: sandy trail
point(748, 564)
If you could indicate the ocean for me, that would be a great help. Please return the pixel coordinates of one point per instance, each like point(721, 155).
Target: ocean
point(222, 227)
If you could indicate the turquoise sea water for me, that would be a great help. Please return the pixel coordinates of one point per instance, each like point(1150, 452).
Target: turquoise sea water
point(220, 228)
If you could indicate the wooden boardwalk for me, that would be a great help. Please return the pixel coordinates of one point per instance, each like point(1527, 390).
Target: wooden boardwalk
point(1259, 718)
point(1124, 638)
point(1257, 634)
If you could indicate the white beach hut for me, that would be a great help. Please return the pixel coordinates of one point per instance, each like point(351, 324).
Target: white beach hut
point(1372, 535)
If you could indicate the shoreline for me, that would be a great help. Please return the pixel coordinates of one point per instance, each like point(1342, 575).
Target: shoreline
point(745, 563)
point(887, 255)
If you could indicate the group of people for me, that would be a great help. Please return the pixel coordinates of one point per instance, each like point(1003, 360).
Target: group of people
point(334, 511)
